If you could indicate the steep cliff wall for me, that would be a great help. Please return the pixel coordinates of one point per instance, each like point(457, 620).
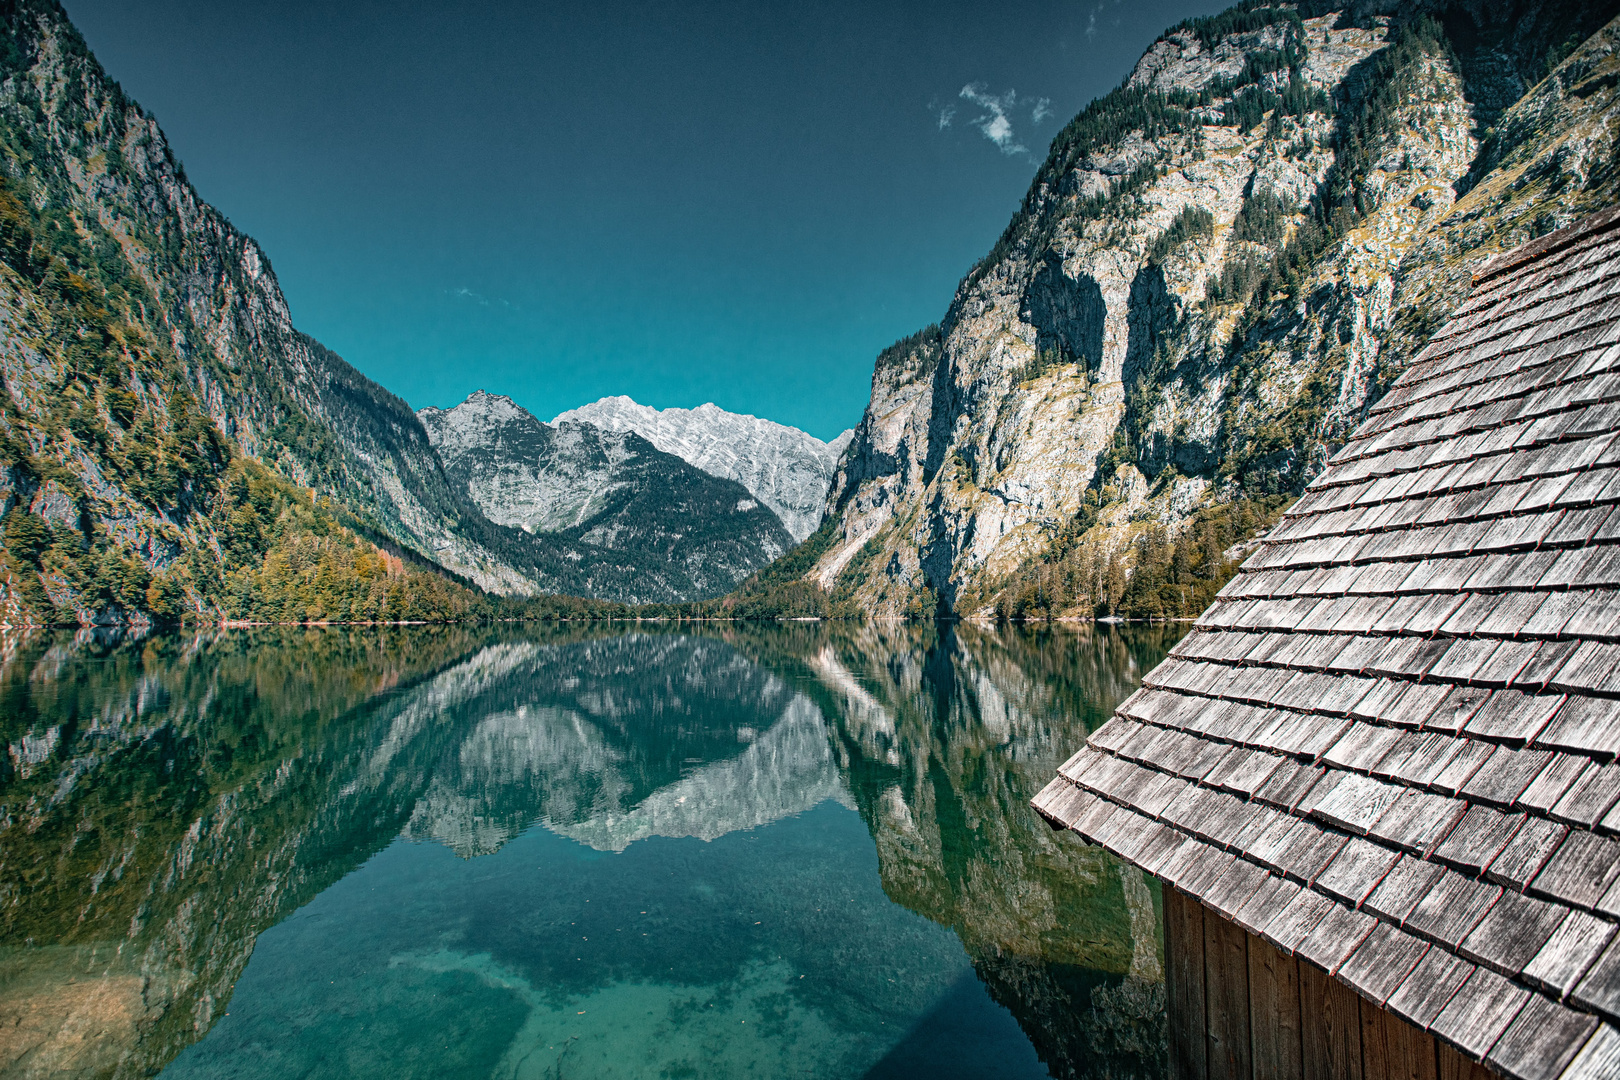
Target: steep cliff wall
point(147, 345)
point(1218, 267)
point(108, 202)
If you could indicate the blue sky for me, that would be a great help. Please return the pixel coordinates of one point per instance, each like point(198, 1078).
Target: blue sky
point(729, 202)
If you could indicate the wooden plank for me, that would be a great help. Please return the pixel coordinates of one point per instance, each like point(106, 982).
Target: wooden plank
point(1333, 939)
point(1318, 733)
point(1269, 845)
point(1580, 871)
point(1541, 1041)
point(1256, 823)
point(1566, 956)
point(1452, 909)
point(1152, 797)
point(1512, 932)
point(1356, 871)
point(1505, 663)
point(1330, 1036)
point(1428, 989)
point(1584, 723)
point(1591, 797)
point(1469, 757)
point(1599, 1059)
point(1235, 887)
point(1418, 821)
point(1561, 774)
point(1600, 988)
point(1454, 711)
point(1118, 730)
point(1513, 716)
point(1274, 1013)
point(1479, 1012)
point(1382, 695)
point(1354, 803)
point(1178, 862)
point(1362, 747)
point(1158, 849)
point(1212, 863)
point(1403, 888)
point(1479, 837)
point(1184, 978)
point(1249, 775)
point(1226, 817)
point(1382, 961)
point(1272, 896)
point(1527, 852)
point(1417, 756)
point(1453, 1064)
point(1307, 851)
point(1392, 1049)
point(1505, 775)
point(1226, 999)
point(1415, 703)
point(1289, 926)
point(1130, 834)
point(1288, 785)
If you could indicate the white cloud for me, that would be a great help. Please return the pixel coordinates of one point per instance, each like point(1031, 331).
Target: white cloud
point(993, 123)
point(1091, 21)
point(465, 293)
point(1042, 110)
point(943, 114)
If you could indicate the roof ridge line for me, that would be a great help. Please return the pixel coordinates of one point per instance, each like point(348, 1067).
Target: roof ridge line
point(1542, 246)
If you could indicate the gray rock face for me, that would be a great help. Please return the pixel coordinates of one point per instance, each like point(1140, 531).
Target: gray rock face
point(611, 493)
point(215, 302)
point(786, 469)
point(1110, 356)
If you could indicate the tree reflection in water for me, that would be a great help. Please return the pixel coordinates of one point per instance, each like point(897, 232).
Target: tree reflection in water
point(943, 734)
point(165, 800)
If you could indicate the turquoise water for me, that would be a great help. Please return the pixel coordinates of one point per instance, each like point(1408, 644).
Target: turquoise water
point(799, 851)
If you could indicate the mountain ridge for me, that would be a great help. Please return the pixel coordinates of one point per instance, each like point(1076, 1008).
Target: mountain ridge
point(695, 534)
point(151, 363)
point(787, 469)
point(1218, 267)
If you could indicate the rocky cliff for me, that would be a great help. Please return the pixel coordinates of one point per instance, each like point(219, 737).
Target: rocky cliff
point(123, 280)
point(785, 468)
point(1219, 266)
point(611, 495)
point(147, 346)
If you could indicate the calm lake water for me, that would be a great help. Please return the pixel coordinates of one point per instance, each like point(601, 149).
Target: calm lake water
point(736, 851)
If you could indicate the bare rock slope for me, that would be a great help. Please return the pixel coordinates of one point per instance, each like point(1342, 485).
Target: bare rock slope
point(612, 493)
point(1220, 265)
point(787, 469)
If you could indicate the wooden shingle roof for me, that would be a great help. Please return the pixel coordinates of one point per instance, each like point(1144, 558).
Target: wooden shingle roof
point(1389, 747)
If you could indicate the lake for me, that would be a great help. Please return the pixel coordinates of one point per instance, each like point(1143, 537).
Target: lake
point(735, 850)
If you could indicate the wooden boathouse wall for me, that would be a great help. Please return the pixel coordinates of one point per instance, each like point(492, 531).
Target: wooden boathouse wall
point(1242, 1010)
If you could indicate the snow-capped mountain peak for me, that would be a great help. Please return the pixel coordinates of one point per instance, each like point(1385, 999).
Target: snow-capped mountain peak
point(786, 469)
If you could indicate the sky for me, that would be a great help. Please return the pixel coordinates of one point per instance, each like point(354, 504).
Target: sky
point(683, 202)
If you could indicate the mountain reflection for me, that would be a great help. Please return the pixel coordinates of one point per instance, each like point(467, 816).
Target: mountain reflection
point(163, 801)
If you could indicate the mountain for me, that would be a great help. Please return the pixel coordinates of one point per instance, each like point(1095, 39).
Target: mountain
point(131, 302)
point(611, 490)
point(171, 444)
point(1218, 267)
point(786, 469)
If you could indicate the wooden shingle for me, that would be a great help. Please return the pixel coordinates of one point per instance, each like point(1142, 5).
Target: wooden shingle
point(1391, 744)
point(1542, 1040)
